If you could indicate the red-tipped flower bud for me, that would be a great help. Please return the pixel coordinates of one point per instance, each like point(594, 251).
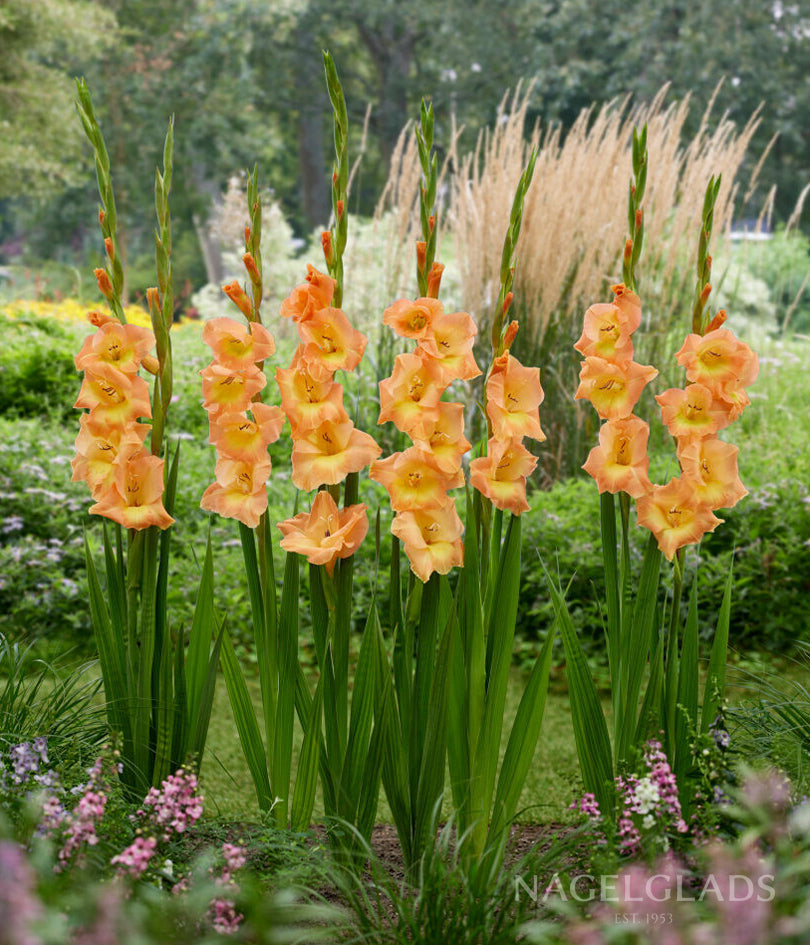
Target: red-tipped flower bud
point(108, 245)
point(252, 269)
point(104, 284)
point(248, 234)
point(340, 209)
point(717, 321)
point(432, 222)
point(434, 280)
point(237, 295)
point(98, 318)
point(507, 302)
point(421, 255)
point(328, 249)
point(510, 333)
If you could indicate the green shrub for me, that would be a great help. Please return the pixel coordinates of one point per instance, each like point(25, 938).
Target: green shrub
point(37, 375)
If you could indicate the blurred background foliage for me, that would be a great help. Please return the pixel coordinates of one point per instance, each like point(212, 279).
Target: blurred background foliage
point(244, 80)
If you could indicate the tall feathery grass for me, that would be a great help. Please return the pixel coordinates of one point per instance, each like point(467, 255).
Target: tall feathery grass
point(573, 228)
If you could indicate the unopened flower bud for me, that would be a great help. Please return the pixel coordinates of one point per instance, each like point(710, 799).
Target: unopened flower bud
point(507, 302)
point(421, 255)
point(628, 249)
point(151, 363)
point(510, 333)
point(252, 269)
point(102, 216)
point(153, 298)
point(237, 295)
point(340, 209)
point(104, 284)
point(434, 280)
point(248, 234)
point(108, 245)
point(704, 295)
point(328, 249)
point(99, 318)
point(639, 216)
point(432, 222)
point(718, 321)
point(334, 178)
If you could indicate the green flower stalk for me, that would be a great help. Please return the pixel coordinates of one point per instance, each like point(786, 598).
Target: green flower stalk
point(159, 696)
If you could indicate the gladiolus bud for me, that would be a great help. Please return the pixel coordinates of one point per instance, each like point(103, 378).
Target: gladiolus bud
point(421, 255)
point(328, 251)
point(252, 269)
point(151, 364)
point(432, 222)
point(511, 331)
point(237, 295)
point(717, 321)
point(639, 215)
point(108, 245)
point(97, 318)
point(507, 302)
point(334, 178)
point(434, 280)
point(101, 217)
point(248, 234)
point(153, 298)
point(104, 284)
point(628, 250)
point(704, 295)
point(339, 209)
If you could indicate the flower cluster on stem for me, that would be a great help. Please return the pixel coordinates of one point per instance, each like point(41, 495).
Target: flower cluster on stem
point(419, 478)
point(326, 444)
point(124, 478)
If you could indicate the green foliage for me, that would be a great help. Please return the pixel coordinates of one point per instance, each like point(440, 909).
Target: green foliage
point(38, 699)
point(43, 41)
point(37, 374)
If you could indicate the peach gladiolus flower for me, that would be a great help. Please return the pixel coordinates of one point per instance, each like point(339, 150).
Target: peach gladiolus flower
point(620, 463)
point(135, 497)
point(325, 533)
point(450, 341)
point(692, 411)
point(444, 438)
point(410, 396)
point(414, 480)
point(239, 491)
point(238, 437)
point(676, 515)
point(613, 388)
point(114, 397)
point(310, 296)
point(330, 342)
point(327, 454)
point(501, 474)
point(100, 449)
point(718, 359)
point(712, 466)
point(308, 401)
point(514, 395)
point(431, 538)
point(225, 390)
point(413, 319)
point(609, 325)
point(121, 346)
point(236, 346)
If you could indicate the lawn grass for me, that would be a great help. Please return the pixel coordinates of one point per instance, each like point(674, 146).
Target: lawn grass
point(553, 780)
